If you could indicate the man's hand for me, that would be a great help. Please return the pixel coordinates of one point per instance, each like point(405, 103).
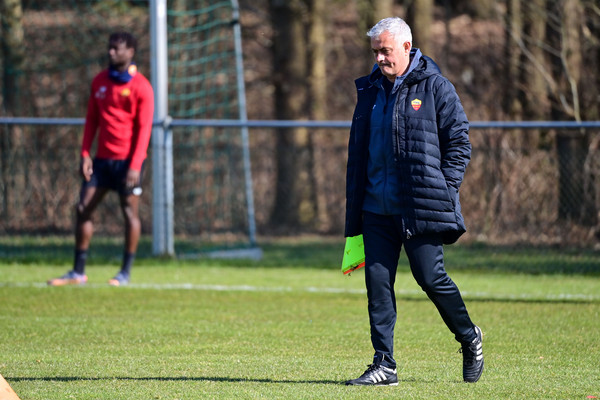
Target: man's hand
point(132, 179)
point(86, 168)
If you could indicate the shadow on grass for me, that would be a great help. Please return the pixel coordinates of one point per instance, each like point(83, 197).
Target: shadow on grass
point(167, 378)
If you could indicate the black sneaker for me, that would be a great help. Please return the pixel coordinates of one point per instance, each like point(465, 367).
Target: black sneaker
point(473, 358)
point(376, 375)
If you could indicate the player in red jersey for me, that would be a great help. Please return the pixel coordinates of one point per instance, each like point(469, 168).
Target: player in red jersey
point(120, 112)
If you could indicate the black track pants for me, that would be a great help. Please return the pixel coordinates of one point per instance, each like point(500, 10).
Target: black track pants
point(383, 242)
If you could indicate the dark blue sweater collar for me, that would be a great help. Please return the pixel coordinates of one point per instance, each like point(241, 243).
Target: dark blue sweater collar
point(122, 76)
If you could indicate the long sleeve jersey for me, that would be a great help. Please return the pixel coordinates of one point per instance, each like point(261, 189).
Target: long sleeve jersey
point(121, 114)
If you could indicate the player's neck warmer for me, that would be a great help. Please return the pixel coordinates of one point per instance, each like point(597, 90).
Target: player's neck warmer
point(122, 76)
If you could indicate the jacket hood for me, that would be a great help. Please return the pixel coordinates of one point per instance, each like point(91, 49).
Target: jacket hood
point(423, 70)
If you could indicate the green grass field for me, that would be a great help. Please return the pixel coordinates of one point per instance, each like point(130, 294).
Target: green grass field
point(290, 326)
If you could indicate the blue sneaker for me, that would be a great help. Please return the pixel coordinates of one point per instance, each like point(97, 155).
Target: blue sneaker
point(121, 279)
point(70, 278)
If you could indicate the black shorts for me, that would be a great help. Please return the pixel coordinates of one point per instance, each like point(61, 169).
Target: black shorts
point(112, 174)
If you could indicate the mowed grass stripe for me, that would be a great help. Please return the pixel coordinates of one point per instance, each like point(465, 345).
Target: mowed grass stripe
point(121, 343)
point(321, 290)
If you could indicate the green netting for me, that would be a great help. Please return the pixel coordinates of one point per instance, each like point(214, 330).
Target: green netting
point(210, 195)
point(201, 60)
point(64, 46)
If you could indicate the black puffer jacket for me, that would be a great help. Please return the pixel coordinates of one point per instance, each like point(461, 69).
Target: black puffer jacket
point(431, 148)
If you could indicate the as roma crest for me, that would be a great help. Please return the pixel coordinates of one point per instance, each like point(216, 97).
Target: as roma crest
point(416, 104)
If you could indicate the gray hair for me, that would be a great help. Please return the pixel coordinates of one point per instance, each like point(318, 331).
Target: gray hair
point(396, 26)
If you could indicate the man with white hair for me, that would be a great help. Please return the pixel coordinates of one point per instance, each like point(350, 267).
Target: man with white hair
point(407, 154)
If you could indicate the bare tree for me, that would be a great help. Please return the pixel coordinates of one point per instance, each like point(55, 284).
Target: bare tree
point(420, 18)
point(565, 21)
point(13, 50)
point(370, 12)
point(294, 192)
point(533, 92)
point(513, 56)
point(478, 9)
point(13, 55)
point(317, 78)
point(545, 57)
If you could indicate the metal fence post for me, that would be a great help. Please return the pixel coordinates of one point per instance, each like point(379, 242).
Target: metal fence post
point(237, 35)
point(162, 156)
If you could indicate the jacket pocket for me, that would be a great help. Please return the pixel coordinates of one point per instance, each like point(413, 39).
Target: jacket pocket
point(453, 195)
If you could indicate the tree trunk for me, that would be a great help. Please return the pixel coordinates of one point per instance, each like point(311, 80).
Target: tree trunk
point(294, 193)
point(371, 12)
point(512, 53)
point(420, 19)
point(575, 202)
point(590, 103)
point(13, 57)
point(477, 9)
point(317, 56)
point(534, 93)
point(13, 50)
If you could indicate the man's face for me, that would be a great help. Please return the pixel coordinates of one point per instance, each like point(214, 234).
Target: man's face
point(392, 57)
point(119, 55)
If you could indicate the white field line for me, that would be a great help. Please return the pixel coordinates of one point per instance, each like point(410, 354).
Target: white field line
point(312, 289)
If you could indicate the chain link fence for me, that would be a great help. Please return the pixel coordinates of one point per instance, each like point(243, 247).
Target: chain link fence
point(513, 193)
point(523, 187)
point(52, 50)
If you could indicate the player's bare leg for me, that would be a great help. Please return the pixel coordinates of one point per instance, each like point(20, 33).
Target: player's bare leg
point(133, 225)
point(84, 228)
point(133, 229)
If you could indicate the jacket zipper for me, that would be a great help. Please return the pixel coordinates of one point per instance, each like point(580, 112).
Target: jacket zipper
point(407, 231)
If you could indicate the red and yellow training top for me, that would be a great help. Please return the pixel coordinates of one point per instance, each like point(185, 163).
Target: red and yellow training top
point(121, 114)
